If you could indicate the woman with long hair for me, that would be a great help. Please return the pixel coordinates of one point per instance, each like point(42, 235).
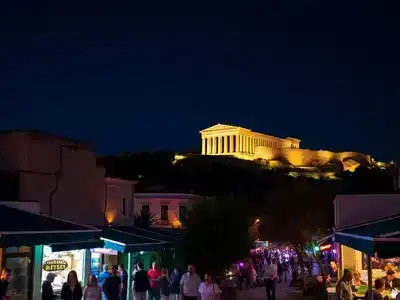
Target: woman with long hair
point(92, 290)
point(72, 289)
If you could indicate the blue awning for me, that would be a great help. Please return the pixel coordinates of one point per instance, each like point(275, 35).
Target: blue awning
point(381, 236)
point(127, 242)
point(22, 228)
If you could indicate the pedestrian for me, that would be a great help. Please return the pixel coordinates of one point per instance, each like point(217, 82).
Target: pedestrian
point(141, 283)
point(102, 277)
point(112, 285)
point(47, 289)
point(165, 285)
point(270, 277)
point(72, 289)
point(176, 281)
point(92, 290)
point(209, 290)
point(4, 279)
point(190, 283)
point(280, 271)
point(124, 281)
point(154, 274)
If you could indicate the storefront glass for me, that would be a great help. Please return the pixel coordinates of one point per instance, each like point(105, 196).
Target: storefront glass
point(61, 263)
point(18, 259)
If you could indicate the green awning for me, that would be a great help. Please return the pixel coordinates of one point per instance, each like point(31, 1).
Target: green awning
point(22, 228)
point(127, 242)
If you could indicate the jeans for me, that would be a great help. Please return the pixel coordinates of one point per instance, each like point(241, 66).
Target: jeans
point(270, 288)
point(154, 293)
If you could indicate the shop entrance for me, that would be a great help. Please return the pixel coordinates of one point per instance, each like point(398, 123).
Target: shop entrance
point(19, 260)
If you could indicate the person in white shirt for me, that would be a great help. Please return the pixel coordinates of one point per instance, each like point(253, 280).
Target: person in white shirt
point(270, 270)
point(190, 283)
point(209, 290)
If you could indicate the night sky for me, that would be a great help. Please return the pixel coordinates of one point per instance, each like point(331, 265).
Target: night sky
point(150, 74)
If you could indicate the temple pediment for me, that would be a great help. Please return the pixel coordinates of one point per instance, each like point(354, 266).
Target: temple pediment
point(220, 127)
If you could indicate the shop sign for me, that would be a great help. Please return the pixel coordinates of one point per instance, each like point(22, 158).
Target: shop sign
point(55, 265)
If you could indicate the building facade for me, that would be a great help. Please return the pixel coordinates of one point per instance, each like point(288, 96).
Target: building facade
point(170, 210)
point(119, 201)
point(58, 173)
point(246, 144)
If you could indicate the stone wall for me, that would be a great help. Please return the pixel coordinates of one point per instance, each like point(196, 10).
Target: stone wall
point(308, 158)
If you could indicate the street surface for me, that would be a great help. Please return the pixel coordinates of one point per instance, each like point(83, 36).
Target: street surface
point(283, 292)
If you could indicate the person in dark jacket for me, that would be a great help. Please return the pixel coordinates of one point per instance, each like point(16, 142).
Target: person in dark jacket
point(72, 289)
point(47, 289)
point(141, 283)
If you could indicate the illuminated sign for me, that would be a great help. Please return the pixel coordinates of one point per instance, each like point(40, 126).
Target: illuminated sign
point(55, 265)
point(325, 247)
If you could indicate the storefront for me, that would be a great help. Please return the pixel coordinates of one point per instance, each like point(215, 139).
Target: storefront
point(100, 257)
point(29, 261)
point(61, 263)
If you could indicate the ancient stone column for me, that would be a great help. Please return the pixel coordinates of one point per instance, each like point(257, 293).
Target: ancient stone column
point(232, 144)
point(220, 144)
point(203, 146)
point(226, 149)
point(209, 142)
point(214, 145)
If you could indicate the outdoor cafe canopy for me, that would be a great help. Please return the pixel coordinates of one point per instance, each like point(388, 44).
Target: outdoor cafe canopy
point(380, 236)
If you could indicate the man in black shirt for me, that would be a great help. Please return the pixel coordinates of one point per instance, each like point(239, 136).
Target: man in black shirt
point(4, 278)
point(141, 283)
point(112, 285)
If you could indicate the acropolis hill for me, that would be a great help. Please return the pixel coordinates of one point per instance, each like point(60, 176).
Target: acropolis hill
point(243, 143)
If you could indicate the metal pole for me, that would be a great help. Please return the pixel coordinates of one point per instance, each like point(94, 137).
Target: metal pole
point(369, 265)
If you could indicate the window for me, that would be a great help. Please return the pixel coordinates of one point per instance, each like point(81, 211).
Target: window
point(164, 212)
point(145, 209)
point(124, 206)
point(182, 214)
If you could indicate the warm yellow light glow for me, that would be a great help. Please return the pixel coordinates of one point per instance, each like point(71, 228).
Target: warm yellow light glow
point(176, 223)
point(257, 220)
point(110, 216)
point(177, 158)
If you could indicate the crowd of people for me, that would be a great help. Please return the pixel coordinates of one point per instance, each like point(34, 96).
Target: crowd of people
point(154, 284)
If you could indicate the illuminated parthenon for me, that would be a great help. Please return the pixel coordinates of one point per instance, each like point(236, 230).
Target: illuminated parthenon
point(246, 144)
point(226, 139)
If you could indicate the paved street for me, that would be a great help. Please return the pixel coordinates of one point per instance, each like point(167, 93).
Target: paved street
point(283, 292)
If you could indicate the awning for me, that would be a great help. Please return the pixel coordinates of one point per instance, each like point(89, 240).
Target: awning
point(172, 237)
point(381, 236)
point(22, 228)
point(90, 244)
point(127, 242)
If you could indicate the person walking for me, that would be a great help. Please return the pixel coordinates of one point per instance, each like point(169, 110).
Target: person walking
point(270, 276)
point(175, 285)
point(112, 285)
point(209, 290)
point(124, 281)
point(154, 274)
point(165, 284)
point(72, 289)
point(190, 283)
point(92, 290)
point(102, 277)
point(140, 283)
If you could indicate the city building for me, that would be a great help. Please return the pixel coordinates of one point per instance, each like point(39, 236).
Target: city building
point(169, 209)
point(279, 152)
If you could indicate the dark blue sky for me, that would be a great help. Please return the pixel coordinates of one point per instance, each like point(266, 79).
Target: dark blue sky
point(150, 75)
